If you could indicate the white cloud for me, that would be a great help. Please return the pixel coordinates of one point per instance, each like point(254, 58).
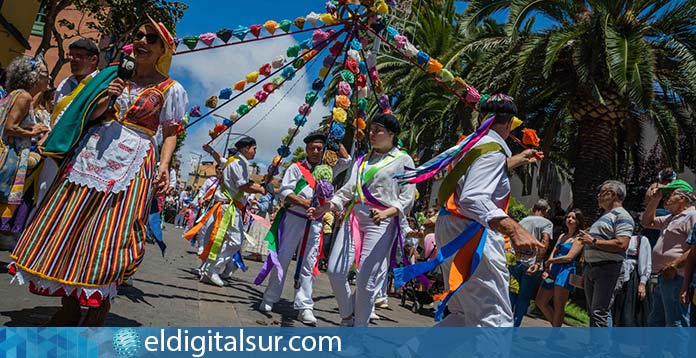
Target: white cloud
point(204, 73)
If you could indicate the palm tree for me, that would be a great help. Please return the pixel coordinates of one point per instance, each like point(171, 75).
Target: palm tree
point(597, 73)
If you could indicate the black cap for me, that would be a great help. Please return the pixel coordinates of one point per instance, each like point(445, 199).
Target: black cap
point(387, 121)
point(315, 136)
point(245, 142)
point(499, 103)
point(85, 44)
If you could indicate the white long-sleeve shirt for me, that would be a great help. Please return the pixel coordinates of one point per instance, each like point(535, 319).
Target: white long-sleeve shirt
point(293, 174)
point(482, 192)
point(236, 175)
point(383, 186)
point(643, 252)
point(207, 184)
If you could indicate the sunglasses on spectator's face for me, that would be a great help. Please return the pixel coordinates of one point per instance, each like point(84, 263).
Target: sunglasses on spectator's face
point(150, 38)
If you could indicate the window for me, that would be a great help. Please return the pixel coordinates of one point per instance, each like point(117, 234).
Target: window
point(38, 27)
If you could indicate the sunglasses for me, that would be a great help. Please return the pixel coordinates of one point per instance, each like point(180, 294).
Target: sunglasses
point(150, 38)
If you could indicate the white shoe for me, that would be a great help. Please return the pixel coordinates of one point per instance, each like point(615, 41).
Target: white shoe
point(265, 307)
point(214, 279)
point(347, 322)
point(373, 316)
point(382, 302)
point(306, 316)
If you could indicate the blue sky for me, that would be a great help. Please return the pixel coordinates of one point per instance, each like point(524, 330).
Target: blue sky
point(204, 73)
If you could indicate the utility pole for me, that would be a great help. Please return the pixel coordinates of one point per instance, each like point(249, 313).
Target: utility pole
point(198, 164)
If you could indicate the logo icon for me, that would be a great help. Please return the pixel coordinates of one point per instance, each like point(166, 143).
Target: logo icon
point(126, 342)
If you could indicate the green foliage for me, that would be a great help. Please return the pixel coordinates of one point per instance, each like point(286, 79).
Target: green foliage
point(298, 154)
point(517, 211)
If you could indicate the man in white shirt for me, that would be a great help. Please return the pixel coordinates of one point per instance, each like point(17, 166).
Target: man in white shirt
point(84, 57)
point(297, 192)
point(481, 195)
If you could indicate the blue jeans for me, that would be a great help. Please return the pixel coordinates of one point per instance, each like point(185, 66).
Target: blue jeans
point(520, 300)
point(666, 310)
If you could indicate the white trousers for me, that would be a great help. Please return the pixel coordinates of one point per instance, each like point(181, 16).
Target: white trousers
point(374, 263)
point(203, 236)
point(234, 237)
point(292, 230)
point(484, 301)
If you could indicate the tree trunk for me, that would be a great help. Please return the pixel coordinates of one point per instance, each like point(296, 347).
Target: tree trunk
point(594, 162)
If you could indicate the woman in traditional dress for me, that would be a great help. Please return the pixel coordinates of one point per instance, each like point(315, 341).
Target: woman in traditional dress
point(374, 202)
point(26, 77)
point(89, 233)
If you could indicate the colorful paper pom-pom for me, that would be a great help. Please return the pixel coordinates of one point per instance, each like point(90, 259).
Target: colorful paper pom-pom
point(327, 19)
point(381, 8)
point(410, 50)
point(422, 58)
point(309, 55)
point(530, 137)
point(288, 73)
point(391, 33)
point(195, 111)
point(293, 50)
point(362, 103)
point(359, 123)
point(219, 128)
point(313, 18)
point(356, 45)
point(347, 76)
point(300, 120)
point(472, 95)
point(342, 102)
point(261, 96)
point(344, 88)
point(323, 172)
point(306, 44)
point(225, 93)
point(305, 109)
point(323, 72)
point(252, 77)
point(277, 82)
point(336, 49)
point(319, 36)
point(211, 102)
point(240, 32)
point(278, 62)
point(384, 101)
point(371, 60)
point(226, 122)
point(434, 66)
point(401, 41)
point(255, 30)
point(243, 109)
point(239, 86)
point(352, 66)
point(363, 67)
point(234, 116)
point(362, 92)
point(318, 84)
point(269, 87)
point(284, 151)
point(311, 98)
point(339, 115)
point(299, 22)
point(252, 102)
point(374, 74)
point(265, 69)
point(379, 86)
point(354, 55)
point(338, 131)
point(298, 63)
point(207, 38)
point(330, 7)
point(446, 75)
point(270, 26)
point(285, 25)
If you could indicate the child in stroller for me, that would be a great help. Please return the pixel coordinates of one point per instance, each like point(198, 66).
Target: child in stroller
point(414, 290)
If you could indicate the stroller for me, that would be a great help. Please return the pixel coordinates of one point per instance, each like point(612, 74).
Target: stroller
point(414, 290)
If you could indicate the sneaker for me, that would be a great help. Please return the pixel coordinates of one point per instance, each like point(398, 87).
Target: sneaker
point(347, 322)
point(265, 307)
point(307, 317)
point(382, 302)
point(214, 279)
point(374, 316)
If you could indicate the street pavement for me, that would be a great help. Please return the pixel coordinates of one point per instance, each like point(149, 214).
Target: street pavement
point(166, 292)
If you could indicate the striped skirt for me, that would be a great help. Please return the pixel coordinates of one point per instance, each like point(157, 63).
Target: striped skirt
point(83, 242)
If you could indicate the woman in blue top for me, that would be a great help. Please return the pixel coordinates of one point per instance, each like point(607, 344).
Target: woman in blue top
point(556, 278)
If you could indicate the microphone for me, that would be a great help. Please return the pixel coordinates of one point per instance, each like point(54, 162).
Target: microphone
point(126, 70)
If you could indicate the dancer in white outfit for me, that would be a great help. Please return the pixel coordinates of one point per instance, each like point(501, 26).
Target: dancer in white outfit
point(296, 191)
point(373, 201)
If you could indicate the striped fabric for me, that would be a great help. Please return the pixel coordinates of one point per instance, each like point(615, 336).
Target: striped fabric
point(82, 239)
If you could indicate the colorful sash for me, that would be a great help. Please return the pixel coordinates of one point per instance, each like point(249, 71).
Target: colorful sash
point(467, 247)
point(65, 101)
point(275, 234)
